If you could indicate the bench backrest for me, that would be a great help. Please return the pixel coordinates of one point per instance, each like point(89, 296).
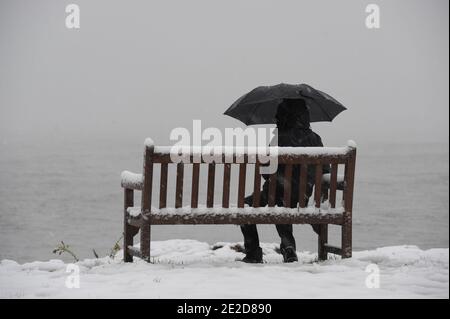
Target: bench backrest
point(160, 158)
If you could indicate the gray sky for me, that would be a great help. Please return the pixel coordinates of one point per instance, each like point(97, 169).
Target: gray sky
point(141, 68)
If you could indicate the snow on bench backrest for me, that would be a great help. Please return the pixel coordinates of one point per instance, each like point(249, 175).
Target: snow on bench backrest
point(236, 154)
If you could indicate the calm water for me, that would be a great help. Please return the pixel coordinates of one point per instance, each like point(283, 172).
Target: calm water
point(71, 191)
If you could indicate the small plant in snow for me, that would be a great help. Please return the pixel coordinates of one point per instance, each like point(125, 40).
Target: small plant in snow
point(63, 248)
point(115, 248)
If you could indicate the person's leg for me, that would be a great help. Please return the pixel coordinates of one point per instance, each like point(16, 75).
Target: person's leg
point(316, 228)
point(251, 239)
point(287, 246)
point(286, 234)
point(253, 253)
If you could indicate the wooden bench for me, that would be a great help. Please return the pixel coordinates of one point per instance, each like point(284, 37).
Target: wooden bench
point(140, 218)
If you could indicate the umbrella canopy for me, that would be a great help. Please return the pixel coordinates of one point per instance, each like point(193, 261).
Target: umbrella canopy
point(260, 105)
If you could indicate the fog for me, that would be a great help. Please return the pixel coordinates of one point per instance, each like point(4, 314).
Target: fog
point(77, 104)
point(141, 68)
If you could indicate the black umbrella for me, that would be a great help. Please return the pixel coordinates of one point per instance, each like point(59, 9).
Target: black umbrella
point(259, 106)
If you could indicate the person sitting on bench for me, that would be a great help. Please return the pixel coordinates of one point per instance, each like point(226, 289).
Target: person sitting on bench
point(293, 124)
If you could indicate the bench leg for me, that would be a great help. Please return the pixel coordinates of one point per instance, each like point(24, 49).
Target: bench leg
point(128, 231)
point(145, 241)
point(128, 235)
point(323, 239)
point(346, 238)
point(127, 241)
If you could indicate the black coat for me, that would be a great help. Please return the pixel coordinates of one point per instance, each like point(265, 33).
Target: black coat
point(296, 137)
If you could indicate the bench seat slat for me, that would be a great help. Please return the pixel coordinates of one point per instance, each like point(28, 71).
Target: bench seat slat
point(241, 186)
point(287, 185)
point(179, 185)
point(244, 218)
point(226, 185)
point(236, 215)
point(333, 184)
point(318, 185)
point(302, 187)
point(272, 189)
point(194, 186)
point(257, 186)
point(163, 186)
point(210, 186)
point(239, 219)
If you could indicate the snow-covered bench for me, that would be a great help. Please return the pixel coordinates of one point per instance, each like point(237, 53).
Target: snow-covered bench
point(322, 213)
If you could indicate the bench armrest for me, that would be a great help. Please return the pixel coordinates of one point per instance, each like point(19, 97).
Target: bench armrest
point(132, 180)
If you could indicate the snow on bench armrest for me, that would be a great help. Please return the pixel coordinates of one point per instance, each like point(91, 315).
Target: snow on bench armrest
point(132, 180)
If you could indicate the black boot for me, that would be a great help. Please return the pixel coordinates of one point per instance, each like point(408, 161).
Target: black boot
point(254, 256)
point(289, 254)
point(287, 246)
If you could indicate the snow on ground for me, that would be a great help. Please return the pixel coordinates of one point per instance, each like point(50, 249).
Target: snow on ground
point(193, 269)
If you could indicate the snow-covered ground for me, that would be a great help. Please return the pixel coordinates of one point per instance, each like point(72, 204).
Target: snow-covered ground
point(193, 269)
